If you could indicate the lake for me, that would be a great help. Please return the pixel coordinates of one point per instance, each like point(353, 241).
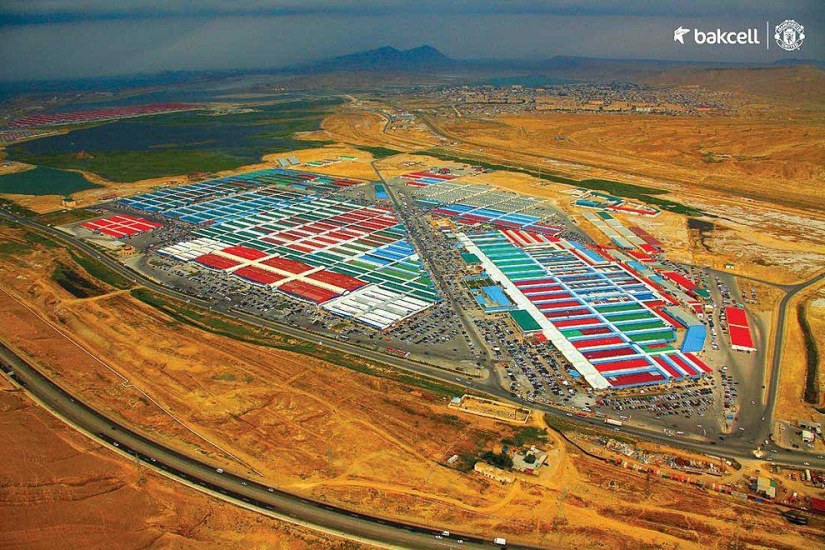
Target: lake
point(177, 143)
point(44, 181)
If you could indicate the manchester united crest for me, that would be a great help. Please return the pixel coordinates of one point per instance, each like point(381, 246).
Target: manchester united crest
point(789, 35)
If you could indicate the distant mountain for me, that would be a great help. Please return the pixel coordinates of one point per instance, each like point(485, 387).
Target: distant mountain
point(812, 62)
point(383, 59)
point(607, 69)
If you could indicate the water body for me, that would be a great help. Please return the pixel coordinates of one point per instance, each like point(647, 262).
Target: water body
point(177, 143)
point(194, 131)
point(44, 181)
point(245, 135)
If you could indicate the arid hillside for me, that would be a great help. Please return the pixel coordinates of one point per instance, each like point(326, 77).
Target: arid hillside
point(800, 84)
point(73, 493)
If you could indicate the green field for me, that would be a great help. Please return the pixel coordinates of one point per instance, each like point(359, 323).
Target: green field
point(378, 152)
point(100, 272)
point(62, 217)
point(138, 165)
point(811, 357)
point(74, 282)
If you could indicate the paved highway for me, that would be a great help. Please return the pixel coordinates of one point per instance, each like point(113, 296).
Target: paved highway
point(199, 475)
point(779, 338)
point(416, 238)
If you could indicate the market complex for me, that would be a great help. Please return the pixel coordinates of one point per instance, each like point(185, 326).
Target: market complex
point(314, 248)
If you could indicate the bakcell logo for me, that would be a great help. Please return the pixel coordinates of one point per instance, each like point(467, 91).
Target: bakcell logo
point(718, 36)
point(788, 35)
point(750, 36)
point(679, 34)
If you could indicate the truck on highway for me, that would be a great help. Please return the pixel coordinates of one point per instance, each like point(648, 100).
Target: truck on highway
point(613, 422)
point(501, 541)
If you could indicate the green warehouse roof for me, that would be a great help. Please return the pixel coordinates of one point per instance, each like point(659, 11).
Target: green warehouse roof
point(524, 320)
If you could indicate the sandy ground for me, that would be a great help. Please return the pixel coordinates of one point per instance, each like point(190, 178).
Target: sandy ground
point(369, 125)
point(74, 493)
point(335, 434)
point(359, 167)
point(14, 167)
point(770, 245)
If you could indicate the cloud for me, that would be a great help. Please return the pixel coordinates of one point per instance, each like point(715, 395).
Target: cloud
point(49, 11)
point(88, 38)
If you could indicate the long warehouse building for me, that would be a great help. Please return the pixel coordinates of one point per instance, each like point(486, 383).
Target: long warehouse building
point(593, 310)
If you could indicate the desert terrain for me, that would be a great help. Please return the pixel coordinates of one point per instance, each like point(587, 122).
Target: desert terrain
point(775, 161)
point(75, 491)
point(764, 192)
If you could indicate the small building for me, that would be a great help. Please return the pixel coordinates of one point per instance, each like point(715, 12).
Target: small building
point(493, 299)
point(470, 259)
point(766, 487)
point(452, 460)
point(525, 322)
point(807, 436)
point(128, 250)
point(493, 473)
point(818, 505)
point(529, 461)
point(445, 225)
point(696, 333)
point(198, 176)
point(68, 202)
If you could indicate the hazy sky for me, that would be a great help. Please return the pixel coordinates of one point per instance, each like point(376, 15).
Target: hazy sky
point(85, 38)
